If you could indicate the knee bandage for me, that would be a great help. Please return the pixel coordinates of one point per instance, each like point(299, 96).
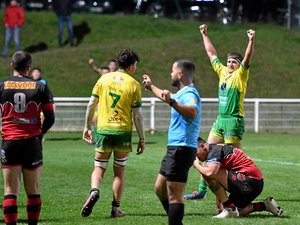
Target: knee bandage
point(120, 162)
point(101, 163)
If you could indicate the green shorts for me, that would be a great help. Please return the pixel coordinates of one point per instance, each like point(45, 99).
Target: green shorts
point(109, 143)
point(229, 128)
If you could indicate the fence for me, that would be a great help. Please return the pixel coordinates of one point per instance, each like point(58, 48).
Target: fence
point(269, 115)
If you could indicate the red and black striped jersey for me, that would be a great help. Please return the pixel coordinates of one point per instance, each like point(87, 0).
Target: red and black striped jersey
point(22, 99)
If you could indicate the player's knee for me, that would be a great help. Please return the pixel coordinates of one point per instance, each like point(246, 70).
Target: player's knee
point(101, 163)
point(120, 162)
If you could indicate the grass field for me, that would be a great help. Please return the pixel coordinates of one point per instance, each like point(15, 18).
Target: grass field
point(68, 163)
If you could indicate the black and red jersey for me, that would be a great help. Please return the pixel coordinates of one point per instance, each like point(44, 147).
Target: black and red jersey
point(22, 100)
point(234, 159)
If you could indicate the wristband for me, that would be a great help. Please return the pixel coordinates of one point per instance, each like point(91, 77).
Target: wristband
point(172, 102)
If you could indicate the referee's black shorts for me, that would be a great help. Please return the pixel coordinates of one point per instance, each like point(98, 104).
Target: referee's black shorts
point(26, 153)
point(177, 162)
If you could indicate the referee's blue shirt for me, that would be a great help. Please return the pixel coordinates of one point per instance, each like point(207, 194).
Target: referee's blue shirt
point(185, 131)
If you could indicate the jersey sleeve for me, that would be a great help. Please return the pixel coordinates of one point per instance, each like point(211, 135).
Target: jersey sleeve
point(244, 72)
point(47, 102)
point(137, 97)
point(190, 99)
point(214, 155)
point(96, 90)
point(243, 76)
point(217, 66)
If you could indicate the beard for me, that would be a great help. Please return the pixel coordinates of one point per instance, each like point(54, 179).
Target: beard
point(176, 83)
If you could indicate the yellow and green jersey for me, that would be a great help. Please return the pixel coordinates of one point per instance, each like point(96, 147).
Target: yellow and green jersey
point(232, 89)
point(118, 93)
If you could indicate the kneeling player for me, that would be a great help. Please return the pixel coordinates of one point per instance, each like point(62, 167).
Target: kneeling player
point(229, 169)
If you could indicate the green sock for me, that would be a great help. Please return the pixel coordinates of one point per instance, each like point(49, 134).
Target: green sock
point(202, 187)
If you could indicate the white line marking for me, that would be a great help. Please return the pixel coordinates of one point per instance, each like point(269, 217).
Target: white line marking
point(276, 162)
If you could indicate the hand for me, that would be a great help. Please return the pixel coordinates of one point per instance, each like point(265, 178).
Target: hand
point(140, 147)
point(203, 29)
point(251, 34)
point(147, 82)
point(91, 61)
point(87, 136)
point(40, 137)
point(196, 162)
point(166, 96)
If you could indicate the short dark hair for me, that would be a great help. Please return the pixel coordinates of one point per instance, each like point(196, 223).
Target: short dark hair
point(126, 58)
point(112, 60)
point(36, 68)
point(201, 140)
point(21, 61)
point(187, 67)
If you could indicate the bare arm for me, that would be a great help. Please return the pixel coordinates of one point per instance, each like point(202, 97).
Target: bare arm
point(250, 48)
point(186, 111)
point(138, 121)
point(94, 66)
point(210, 49)
point(208, 170)
point(87, 132)
point(165, 96)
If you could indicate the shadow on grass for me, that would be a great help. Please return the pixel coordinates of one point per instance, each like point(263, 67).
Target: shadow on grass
point(141, 214)
point(160, 214)
point(41, 46)
point(24, 221)
point(80, 31)
point(147, 142)
point(63, 139)
point(287, 200)
point(263, 216)
point(79, 138)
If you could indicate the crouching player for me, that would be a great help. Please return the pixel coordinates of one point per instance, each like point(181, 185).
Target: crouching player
point(229, 169)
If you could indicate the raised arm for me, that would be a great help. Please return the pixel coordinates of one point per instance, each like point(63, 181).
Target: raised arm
point(149, 86)
point(250, 48)
point(165, 96)
point(94, 66)
point(210, 49)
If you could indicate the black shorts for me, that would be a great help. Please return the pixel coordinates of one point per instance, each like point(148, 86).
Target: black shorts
point(177, 162)
point(243, 190)
point(26, 153)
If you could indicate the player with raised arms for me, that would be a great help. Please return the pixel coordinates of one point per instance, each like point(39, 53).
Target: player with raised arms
point(229, 126)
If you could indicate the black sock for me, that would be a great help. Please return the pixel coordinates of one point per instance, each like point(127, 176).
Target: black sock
point(176, 212)
point(94, 189)
point(165, 204)
point(115, 204)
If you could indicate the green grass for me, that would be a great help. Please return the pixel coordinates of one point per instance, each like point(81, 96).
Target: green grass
point(274, 71)
point(68, 163)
